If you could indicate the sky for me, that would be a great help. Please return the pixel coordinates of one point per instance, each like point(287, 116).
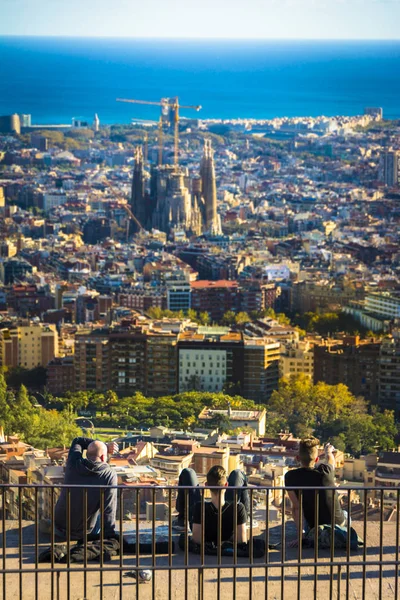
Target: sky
point(265, 19)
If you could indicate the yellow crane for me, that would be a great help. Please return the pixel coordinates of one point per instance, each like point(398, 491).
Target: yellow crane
point(174, 104)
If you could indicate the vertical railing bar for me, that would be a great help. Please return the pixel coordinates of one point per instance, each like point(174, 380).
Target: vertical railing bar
point(137, 541)
point(186, 539)
point(251, 546)
point(266, 542)
point(283, 545)
point(348, 543)
point(396, 580)
point(332, 548)
point(36, 543)
point(52, 539)
point(381, 545)
point(339, 578)
point(202, 548)
point(68, 541)
point(170, 544)
point(235, 500)
point(364, 582)
point(101, 542)
point(20, 492)
point(121, 542)
point(85, 524)
point(153, 545)
point(316, 530)
point(3, 519)
point(300, 539)
point(219, 544)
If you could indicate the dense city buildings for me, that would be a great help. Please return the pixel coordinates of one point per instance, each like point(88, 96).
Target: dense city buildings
point(251, 255)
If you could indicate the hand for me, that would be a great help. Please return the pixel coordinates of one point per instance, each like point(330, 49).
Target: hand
point(329, 449)
point(112, 448)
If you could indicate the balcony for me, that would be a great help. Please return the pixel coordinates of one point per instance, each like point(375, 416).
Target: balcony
point(283, 572)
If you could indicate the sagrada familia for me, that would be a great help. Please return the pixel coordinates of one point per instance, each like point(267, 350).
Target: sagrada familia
point(175, 200)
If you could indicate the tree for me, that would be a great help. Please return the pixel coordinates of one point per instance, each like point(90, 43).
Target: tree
point(220, 422)
point(110, 401)
point(5, 412)
point(242, 317)
point(22, 413)
point(204, 318)
point(228, 318)
point(191, 314)
point(50, 428)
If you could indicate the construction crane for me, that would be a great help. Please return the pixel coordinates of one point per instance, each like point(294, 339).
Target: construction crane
point(175, 107)
point(124, 206)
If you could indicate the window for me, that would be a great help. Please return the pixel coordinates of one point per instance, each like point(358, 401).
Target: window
point(132, 379)
point(132, 360)
point(121, 373)
point(122, 360)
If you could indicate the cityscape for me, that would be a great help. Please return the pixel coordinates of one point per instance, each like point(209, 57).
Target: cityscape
point(200, 312)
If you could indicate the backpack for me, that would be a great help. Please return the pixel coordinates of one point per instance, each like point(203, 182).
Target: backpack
point(340, 537)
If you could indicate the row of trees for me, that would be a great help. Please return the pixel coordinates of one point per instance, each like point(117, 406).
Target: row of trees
point(229, 318)
point(330, 412)
point(19, 414)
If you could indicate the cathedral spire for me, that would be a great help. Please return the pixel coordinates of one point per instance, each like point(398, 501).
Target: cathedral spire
point(209, 188)
point(138, 206)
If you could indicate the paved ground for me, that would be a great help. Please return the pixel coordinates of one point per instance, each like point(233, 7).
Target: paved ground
point(269, 583)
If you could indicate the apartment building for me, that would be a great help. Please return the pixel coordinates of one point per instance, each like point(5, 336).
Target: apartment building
point(354, 363)
point(261, 368)
point(297, 358)
point(214, 297)
point(92, 360)
point(389, 374)
point(383, 304)
point(28, 345)
point(161, 363)
point(208, 361)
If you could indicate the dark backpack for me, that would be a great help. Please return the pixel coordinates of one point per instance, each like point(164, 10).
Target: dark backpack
point(339, 541)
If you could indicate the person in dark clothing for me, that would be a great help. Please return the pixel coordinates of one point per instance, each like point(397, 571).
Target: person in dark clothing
point(188, 477)
point(218, 512)
point(88, 472)
point(312, 475)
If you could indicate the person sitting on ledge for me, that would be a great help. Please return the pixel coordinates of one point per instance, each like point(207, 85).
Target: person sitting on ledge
point(188, 478)
point(217, 512)
point(87, 473)
point(309, 476)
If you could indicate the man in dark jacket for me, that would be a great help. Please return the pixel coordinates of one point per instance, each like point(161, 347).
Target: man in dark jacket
point(89, 473)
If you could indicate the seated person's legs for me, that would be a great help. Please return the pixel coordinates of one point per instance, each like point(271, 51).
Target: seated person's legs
point(188, 478)
point(238, 479)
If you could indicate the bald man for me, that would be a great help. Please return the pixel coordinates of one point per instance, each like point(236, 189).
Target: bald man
point(88, 472)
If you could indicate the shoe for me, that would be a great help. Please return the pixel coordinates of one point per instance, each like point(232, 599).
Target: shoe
point(179, 525)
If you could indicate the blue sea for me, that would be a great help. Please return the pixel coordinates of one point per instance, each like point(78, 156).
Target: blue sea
point(55, 79)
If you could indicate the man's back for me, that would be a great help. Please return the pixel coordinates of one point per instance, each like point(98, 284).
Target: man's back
point(320, 476)
point(84, 473)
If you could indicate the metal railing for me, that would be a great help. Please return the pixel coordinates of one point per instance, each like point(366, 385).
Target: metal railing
point(180, 568)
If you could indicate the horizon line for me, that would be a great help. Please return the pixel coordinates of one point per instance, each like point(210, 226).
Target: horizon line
point(198, 39)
